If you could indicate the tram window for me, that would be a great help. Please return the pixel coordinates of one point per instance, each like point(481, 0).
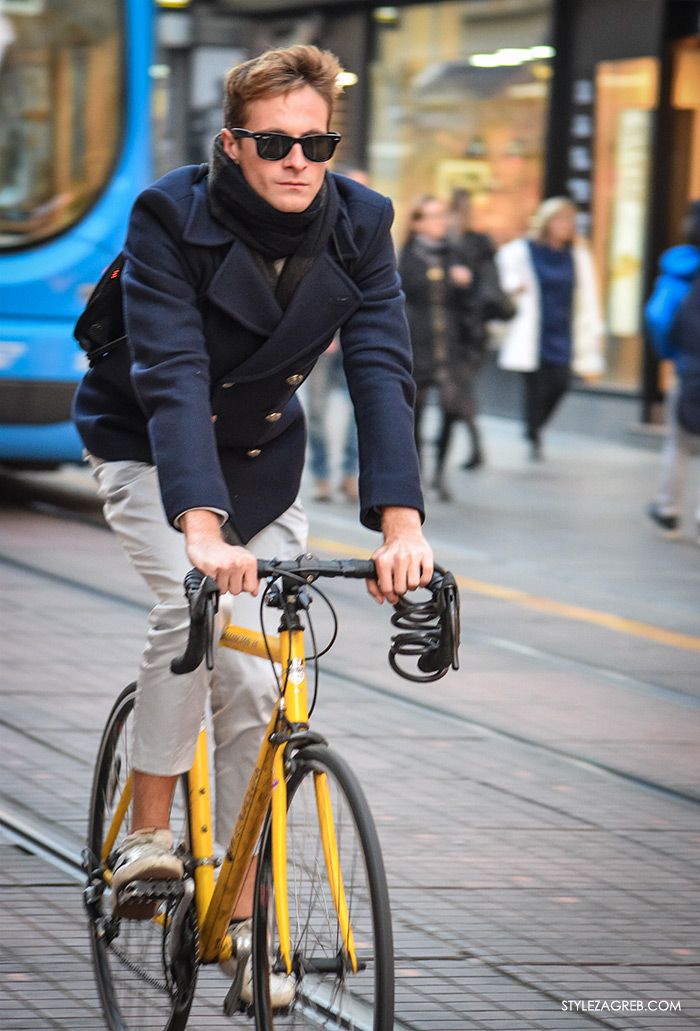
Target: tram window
point(61, 112)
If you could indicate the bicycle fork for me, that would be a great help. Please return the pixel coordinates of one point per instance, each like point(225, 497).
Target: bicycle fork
point(295, 698)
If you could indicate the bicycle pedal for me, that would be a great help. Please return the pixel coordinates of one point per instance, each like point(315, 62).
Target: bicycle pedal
point(135, 891)
point(139, 900)
point(233, 1003)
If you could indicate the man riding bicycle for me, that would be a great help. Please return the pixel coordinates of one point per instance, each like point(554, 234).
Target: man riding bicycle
point(237, 277)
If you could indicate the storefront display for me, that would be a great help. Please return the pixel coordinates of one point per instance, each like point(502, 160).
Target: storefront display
point(459, 98)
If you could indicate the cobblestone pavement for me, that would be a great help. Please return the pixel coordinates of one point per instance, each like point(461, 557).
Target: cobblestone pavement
point(532, 887)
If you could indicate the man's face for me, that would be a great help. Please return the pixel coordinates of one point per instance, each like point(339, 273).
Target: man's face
point(291, 183)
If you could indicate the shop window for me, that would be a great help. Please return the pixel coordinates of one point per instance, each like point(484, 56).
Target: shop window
point(459, 100)
point(684, 170)
point(626, 94)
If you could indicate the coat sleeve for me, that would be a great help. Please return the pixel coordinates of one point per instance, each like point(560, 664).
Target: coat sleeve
point(170, 362)
point(519, 350)
point(377, 359)
point(660, 311)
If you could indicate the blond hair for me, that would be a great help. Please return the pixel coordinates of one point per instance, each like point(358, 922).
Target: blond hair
point(545, 213)
point(277, 72)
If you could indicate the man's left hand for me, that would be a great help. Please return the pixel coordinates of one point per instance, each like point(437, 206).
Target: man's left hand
point(405, 559)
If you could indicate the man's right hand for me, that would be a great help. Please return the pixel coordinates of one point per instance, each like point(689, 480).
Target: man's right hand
point(234, 568)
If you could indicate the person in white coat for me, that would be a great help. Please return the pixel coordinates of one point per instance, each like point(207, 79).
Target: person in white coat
point(557, 328)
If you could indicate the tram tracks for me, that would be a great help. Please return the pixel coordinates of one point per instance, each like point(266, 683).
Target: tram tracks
point(431, 708)
point(469, 723)
point(42, 842)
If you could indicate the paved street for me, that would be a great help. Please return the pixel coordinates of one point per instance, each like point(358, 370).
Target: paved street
point(539, 811)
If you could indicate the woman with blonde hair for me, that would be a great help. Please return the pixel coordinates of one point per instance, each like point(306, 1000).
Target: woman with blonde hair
point(558, 327)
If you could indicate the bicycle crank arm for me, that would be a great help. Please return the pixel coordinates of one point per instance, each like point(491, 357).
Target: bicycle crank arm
point(177, 921)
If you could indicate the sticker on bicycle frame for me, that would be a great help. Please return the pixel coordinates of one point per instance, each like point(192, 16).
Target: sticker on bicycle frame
point(295, 673)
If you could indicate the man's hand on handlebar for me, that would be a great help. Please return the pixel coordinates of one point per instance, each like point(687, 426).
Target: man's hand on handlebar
point(234, 568)
point(405, 561)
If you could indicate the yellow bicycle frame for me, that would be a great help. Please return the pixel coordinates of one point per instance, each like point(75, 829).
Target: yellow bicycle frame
point(216, 898)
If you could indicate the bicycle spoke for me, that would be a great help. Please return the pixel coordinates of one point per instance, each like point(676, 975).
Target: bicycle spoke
point(328, 994)
point(142, 985)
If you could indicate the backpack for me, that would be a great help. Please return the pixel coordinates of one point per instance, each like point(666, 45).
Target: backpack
point(100, 328)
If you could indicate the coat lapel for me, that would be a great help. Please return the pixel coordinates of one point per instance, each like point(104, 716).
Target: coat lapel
point(238, 285)
point(324, 299)
point(240, 288)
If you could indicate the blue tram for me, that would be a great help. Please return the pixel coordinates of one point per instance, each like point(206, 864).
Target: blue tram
point(75, 150)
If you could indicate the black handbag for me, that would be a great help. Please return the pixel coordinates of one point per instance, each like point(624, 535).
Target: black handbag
point(494, 303)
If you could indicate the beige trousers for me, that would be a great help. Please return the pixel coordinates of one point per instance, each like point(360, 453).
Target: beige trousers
point(169, 709)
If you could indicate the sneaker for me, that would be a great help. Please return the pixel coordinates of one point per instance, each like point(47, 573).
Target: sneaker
point(322, 491)
point(282, 987)
point(668, 521)
point(349, 488)
point(474, 461)
point(145, 855)
point(536, 453)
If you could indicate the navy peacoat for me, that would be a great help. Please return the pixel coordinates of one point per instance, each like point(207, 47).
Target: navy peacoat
point(206, 389)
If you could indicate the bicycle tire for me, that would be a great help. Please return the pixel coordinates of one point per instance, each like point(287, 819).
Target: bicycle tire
point(140, 990)
point(336, 997)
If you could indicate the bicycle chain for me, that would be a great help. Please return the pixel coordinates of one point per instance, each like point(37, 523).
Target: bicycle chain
point(136, 969)
point(163, 986)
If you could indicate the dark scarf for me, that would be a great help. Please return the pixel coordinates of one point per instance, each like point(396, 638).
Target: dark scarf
point(299, 237)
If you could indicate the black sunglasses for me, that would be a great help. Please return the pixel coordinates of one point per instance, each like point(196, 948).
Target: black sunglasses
point(273, 146)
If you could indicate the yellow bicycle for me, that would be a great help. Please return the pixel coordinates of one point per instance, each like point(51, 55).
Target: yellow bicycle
point(321, 907)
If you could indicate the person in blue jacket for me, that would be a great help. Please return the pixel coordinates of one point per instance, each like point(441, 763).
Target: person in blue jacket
point(237, 277)
point(672, 317)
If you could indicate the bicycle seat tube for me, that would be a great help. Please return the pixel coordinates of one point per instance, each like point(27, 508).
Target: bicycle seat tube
point(291, 708)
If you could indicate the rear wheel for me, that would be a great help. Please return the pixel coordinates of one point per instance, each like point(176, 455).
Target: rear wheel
point(328, 993)
point(146, 970)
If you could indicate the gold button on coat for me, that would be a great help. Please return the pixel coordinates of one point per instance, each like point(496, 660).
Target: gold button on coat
point(253, 453)
point(295, 380)
point(273, 416)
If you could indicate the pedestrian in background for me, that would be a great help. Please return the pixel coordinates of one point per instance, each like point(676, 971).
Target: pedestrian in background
point(441, 310)
point(488, 302)
point(327, 379)
point(669, 322)
point(557, 326)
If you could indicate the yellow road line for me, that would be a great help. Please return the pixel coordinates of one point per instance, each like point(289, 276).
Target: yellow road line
point(554, 608)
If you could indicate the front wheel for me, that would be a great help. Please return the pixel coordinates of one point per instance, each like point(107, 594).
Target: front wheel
point(332, 988)
point(146, 970)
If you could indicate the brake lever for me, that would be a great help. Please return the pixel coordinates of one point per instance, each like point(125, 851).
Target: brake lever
point(444, 653)
point(431, 631)
point(202, 593)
